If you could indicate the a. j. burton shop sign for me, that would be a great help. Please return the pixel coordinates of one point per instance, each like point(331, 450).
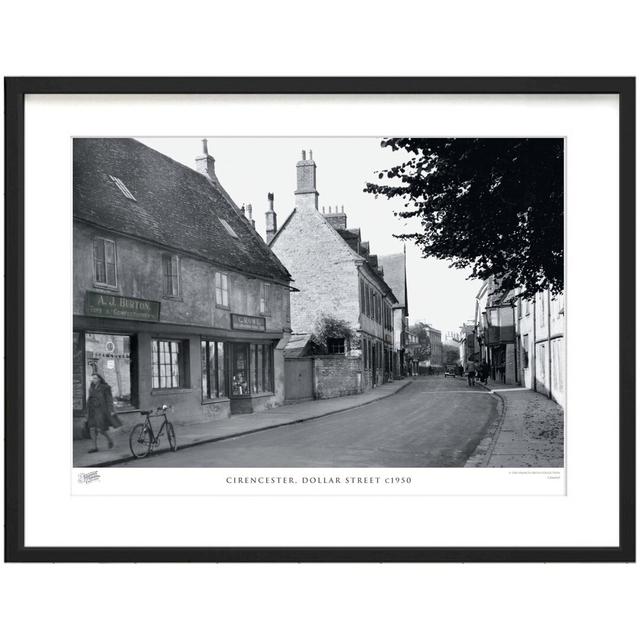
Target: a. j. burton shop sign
point(108, 306)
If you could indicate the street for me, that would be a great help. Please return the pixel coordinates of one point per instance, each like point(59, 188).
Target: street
point(434, 422)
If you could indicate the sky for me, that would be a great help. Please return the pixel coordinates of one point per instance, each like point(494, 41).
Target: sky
point(249, 168)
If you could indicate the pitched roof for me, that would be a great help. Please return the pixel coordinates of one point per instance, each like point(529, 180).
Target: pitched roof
point(174, 206)
point(395, 275)
point(298, 345)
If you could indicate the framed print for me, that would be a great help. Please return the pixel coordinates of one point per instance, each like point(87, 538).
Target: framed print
point(320, 319)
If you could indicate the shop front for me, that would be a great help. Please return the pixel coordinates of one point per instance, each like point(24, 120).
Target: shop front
point(202, 374)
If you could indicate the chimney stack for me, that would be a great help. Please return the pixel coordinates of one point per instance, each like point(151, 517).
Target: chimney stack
point(250, 216)
point(205, 163)
point(337, 219)
point(306, 193)
point(271, 220)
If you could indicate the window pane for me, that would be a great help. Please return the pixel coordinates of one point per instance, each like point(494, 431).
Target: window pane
point(239, 380)
point(269, 368)
point(98, 249)
point(111, 274)
point(204, 366)
point(109, 251)
point(221, 371)
point(101, 273)
point(252, 365)
point(260, 368)
point(211, 368)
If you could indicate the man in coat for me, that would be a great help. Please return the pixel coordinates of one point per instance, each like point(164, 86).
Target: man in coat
point(101, 415)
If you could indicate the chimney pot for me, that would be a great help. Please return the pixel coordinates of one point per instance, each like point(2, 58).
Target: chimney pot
point(310, 154)
point(271, 220)
point(205, 148)
point(304, 154)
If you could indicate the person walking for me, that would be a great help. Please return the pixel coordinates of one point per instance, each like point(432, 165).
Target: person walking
point(484, 372)
point(100, 414)
point(471, 373)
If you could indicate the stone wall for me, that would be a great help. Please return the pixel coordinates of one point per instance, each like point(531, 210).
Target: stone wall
point(337, 376)
point(323, 269)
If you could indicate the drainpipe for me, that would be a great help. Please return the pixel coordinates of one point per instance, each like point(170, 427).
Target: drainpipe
point(515, 344)
point(549, 337)
point(534, 350)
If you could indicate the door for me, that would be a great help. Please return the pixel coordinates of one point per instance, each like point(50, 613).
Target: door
point(298, 379)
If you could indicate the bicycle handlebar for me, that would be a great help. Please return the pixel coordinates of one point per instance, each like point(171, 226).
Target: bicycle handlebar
point(158, 410)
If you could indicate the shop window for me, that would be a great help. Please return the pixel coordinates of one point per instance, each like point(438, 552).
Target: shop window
point(222, 290)
point(335, 345)
point(213, 370)
point(79, 391)
point(265, 295)
point(110, 357)
point(240, 370)
point(261, 368)
point(171, 269)
point(251, 369)
point(104, 262)
point(168, 364)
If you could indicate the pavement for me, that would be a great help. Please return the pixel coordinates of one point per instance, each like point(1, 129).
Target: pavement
point(190, 434)
point(432, 422)
point(528, 433)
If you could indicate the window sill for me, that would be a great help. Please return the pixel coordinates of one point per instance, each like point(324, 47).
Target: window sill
point(263, 394)
point(215, 400)
point(174, 298)
point(221, 306)
point(168, 392)
point(106, 287)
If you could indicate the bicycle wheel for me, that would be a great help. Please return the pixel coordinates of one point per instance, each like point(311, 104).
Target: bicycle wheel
point(140, 440)
point(172, 437)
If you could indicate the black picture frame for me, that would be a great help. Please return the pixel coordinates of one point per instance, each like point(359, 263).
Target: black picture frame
point(15, 91)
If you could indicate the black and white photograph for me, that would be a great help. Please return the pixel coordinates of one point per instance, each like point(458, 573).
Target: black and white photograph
point(318, 302)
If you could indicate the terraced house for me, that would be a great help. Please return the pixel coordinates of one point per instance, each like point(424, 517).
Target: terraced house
point(337, 277)
point(176, 299)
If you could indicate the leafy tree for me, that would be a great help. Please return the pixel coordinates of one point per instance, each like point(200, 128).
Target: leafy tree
point(328, 327)
point(450, 354)
point(492, 205)
point(421, 350)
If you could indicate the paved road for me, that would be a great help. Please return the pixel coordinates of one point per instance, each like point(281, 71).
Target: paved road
point(434, 422)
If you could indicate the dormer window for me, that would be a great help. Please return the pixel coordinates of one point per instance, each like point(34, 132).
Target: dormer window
point(123, 187)
point(228, 228)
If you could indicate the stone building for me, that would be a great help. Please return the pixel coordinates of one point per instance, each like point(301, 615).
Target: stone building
point(176, 299)
point(522, 340)
point(337, 277)
point(540, 344)
point(496, 332)
point(394, 267)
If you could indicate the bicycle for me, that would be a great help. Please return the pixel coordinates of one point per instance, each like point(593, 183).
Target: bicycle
point(142, 438)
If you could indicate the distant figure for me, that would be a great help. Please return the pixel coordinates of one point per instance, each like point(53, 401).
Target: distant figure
point(460, 370)
point(100, 411)
point(471, 373)
point(484, 372)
